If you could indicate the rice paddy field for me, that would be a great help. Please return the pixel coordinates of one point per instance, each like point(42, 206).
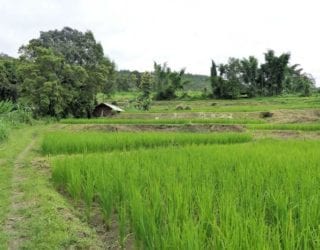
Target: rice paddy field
point(222, 188)
point(179, 179)
point(191, 190)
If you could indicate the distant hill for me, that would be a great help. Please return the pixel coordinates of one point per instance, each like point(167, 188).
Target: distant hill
point(196, 82)
point(5, 56)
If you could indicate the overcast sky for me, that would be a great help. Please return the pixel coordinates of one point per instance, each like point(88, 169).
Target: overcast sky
point(184, 33)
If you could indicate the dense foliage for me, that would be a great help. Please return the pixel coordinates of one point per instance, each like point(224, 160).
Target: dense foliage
point(58, 74)
point(167, 82)
point(246, 77)
point(144, 98)
point(12, 115)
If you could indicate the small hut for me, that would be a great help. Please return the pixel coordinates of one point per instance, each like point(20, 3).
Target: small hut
point(106, 109)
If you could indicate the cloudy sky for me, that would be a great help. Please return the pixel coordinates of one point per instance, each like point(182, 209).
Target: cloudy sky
point(184, 33)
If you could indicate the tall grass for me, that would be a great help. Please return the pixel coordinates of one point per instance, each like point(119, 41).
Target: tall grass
point(258, 195)
point(67, 142)
point(4, 131)
point(12, 115)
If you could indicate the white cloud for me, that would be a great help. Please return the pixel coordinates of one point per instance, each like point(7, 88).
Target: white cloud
point(184, 33)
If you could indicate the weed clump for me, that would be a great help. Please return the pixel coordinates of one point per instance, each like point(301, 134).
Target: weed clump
point(266, 114)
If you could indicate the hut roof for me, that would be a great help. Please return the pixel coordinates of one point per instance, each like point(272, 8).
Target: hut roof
point(113, 107)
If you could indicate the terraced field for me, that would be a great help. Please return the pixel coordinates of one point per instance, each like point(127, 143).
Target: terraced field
point(172, 179)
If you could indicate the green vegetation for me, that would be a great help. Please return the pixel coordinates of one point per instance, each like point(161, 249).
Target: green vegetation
point(58, 74)
point(302, 127)
point(64, 142)
point(41, 218)
point(272, 78)
point(144, 98)
point(257, 195)
point(160, 190)
point(12, 115)
point(14, 145)
point(167, 82)
point(161, 121)
point(4, 131)
point(61, 73)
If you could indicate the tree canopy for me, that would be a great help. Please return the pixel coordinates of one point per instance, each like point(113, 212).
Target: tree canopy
point(63, 71)
point(246, 77)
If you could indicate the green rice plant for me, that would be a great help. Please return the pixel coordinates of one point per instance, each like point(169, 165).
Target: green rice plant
point(67, 142)
point(302, 127)
point(122, 218)
point(257, 195)
point(179, 121)
point(105, 197)
point(88, 183)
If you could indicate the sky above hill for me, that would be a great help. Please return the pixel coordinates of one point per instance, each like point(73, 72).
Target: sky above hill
point(184, 33)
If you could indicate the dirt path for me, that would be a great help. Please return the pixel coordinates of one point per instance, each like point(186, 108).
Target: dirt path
point(17, 203)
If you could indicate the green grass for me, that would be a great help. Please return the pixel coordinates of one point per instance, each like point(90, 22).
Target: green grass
point(257, 195)
point(67, 142)
point(301, 127)
point(161, 121)
point(48, 220)
point(4, 131)
point(8, 151)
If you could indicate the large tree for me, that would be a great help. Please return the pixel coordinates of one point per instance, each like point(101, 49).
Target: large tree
point(78, 52)
point(144, 98)
point(274, 77)
point(42, 87)
point(55, 88)
point(273, 72)
point(9, 79)
point(167, 82)
point(214, 79)
point(76, 47)
point(250, 72)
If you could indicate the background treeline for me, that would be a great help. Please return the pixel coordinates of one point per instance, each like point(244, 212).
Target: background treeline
point(237, 78)
point(247, 77)
point(60, 74)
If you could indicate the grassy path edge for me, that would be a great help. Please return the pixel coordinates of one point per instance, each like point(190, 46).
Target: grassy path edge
point(33, 214)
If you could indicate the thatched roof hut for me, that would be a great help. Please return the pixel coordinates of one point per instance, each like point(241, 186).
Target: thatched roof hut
point(106, 109)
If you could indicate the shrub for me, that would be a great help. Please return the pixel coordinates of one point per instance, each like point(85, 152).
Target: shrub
point(266, 114)
point(179, 107)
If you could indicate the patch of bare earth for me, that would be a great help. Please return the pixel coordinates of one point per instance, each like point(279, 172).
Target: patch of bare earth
point(295, 116)
point(17, 203)
point(108, 233)
point(159, 128)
